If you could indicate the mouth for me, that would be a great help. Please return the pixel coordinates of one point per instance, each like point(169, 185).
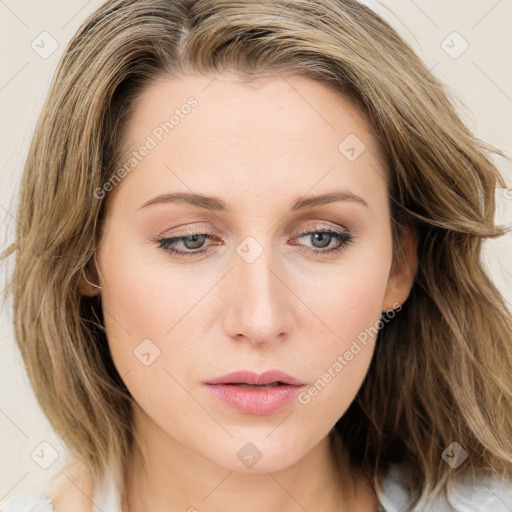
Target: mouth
point(250, 393)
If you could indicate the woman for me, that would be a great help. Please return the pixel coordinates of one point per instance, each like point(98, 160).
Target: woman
point(259, 228)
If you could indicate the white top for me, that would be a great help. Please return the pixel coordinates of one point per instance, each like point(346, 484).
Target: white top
point(487, 495)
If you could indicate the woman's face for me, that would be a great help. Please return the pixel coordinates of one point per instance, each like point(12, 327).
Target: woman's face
point(259, 287)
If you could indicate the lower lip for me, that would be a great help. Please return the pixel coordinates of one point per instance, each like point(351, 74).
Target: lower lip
point(255, 400)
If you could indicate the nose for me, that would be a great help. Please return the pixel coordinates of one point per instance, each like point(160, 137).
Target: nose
point(259, 302)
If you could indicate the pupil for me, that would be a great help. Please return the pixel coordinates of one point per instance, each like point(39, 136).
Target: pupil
point(317, 236)
point(194, 239)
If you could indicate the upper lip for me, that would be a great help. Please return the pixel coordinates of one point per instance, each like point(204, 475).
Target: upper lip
point(246, 377)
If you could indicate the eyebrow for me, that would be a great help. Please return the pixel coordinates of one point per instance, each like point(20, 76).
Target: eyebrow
point(217, 204)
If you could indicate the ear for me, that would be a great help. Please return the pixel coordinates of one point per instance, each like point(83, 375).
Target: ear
point(401, 276)
point(85, 286)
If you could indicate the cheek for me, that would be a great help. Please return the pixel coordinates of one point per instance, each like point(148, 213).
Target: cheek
point(349, 299)
point(152, 319)
point(349, 306)
point(145, 305)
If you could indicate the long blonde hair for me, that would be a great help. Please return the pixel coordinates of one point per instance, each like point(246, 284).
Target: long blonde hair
point(441, 371)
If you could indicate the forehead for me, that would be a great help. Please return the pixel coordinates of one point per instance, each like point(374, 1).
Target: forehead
point(290, 105)
point(286, 133)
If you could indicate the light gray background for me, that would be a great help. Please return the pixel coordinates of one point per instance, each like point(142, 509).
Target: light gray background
point(481, 78)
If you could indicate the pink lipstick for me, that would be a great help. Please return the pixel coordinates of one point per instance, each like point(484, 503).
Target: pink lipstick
point(250, 393)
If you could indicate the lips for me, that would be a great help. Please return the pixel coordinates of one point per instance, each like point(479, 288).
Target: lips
point(270, 378)
point(250, 393)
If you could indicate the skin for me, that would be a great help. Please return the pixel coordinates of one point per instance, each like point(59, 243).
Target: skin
point(258, 147)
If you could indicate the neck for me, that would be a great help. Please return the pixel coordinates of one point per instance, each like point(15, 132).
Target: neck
point(178, 479)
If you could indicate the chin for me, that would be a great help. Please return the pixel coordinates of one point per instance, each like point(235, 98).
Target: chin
point(261, 453)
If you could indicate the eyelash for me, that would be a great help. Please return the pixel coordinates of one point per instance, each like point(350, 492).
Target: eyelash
point(166, 243)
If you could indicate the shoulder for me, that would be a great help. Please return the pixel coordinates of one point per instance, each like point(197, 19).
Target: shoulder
point(474, 494)
point(482, 491)
point(71, 489)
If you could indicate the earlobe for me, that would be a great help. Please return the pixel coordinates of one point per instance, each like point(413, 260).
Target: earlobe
point(401, 277)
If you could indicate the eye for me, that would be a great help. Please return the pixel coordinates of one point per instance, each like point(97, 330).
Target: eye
point(322, 237)
point(193, 240)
